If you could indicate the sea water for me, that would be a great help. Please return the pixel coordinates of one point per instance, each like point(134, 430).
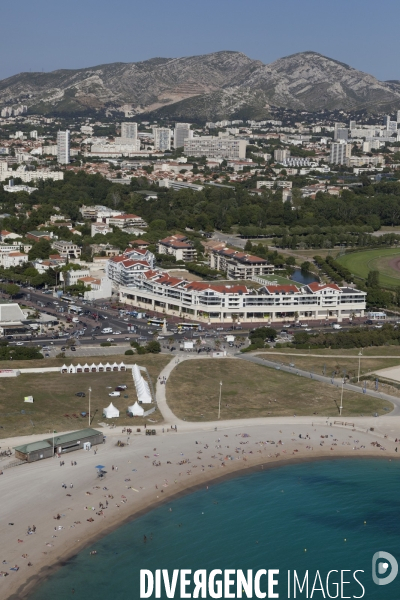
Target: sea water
point(312, 516)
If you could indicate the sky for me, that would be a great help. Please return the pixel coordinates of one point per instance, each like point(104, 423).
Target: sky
point(48, 35)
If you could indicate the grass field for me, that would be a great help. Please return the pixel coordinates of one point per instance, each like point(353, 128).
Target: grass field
point(280, 280)
point(250, 390)
point(361, 263)
point(347, 365)
point(54, 397)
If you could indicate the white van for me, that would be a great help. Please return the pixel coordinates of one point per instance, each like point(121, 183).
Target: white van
point(107, 330)
point(336, 326)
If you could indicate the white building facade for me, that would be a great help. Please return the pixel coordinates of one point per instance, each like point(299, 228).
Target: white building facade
point(215, 147)
point(142, 286)
point(63, 147)
point(162, 138)
point(182, 132)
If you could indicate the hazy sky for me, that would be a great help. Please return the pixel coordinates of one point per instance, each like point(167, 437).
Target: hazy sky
point(51, 35)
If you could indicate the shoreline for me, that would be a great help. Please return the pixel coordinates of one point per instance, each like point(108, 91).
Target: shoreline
point(33, 583)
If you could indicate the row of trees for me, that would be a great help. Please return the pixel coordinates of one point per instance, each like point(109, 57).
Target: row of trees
point(212, 208)
point(328, 269)
point(357, 337)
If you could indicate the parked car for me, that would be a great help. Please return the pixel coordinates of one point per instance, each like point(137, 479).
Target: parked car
point(80, 394)
point(63, 348)
point(73, 348)
point(116, 332)
point(114, 394)
point(121, 388)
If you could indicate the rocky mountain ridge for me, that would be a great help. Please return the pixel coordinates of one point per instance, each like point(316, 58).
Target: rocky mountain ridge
point(219, 85)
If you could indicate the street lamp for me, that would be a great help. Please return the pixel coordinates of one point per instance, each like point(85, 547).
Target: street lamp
point(359, 364)
point(219, 404)
point(341, 400)
point(90, 391)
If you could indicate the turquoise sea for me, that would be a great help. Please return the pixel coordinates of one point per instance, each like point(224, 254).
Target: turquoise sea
point(302, 516)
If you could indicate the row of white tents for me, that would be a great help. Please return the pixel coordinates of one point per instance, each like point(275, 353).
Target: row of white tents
point(93, 368)
point(143, 394)
point(111, 412)
point(141, 385)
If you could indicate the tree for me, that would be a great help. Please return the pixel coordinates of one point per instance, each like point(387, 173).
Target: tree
point(373, 280)
point(153, 347)
point(41, 250)
point(10, 288)
point(249, 246)
point(262, 333)
point(305, 266)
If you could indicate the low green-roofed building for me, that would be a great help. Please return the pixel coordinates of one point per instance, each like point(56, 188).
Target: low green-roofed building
point(60, 444)
point(76, 437)
point(76, 440)
point(34, 451)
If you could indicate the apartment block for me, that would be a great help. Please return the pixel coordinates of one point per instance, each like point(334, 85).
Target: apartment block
point(215, 147)
point(340, 152)
point(129, 131)
point(178, 246)
point(72, 277)
point(239, 265)
point(213, 302)
point(280, 155)
point(63, 147)
point(67, 249)
point(124, 221)
point(182, 132)
point(162, 138)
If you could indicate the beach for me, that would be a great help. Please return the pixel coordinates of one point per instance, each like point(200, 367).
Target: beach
point(147, 471)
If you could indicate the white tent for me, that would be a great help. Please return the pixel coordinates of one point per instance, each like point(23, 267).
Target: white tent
point(110, 412)
point(136, 410)
point(141, 385)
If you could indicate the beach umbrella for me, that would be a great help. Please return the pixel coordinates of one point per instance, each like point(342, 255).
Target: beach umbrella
point(99, 467)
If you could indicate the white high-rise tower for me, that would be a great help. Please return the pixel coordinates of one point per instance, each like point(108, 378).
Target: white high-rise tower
point(182, 132)
point(128, 132)
point(63, 147)
point(162, 138)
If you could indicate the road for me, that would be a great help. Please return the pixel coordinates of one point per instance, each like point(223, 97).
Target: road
point(108, 317)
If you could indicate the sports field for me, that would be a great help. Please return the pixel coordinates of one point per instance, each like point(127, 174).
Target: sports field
point(385, 260)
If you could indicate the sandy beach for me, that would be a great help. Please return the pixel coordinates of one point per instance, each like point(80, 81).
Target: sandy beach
point(69, 507)
point(148, 471)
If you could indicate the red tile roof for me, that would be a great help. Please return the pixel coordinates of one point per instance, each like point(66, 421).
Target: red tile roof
point(126, 217)
point(316, 287)
point(140, 243)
